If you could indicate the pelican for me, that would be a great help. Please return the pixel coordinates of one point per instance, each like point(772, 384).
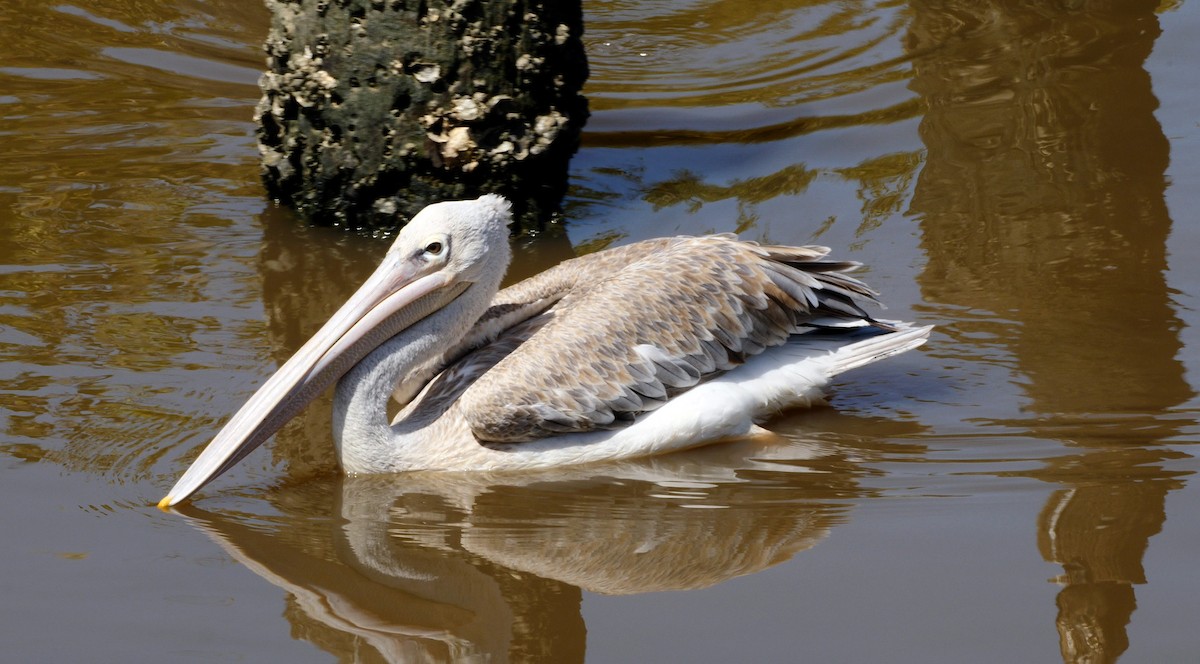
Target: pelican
point(638, 350)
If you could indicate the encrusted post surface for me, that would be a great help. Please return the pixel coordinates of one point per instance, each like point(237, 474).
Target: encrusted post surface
point(372, 109)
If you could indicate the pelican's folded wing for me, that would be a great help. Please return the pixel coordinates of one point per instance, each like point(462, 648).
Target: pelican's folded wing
point(619, 332)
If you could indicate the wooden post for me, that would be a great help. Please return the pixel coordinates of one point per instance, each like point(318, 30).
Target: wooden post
point(372, 109)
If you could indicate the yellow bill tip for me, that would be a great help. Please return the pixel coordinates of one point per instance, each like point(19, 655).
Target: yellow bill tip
point(164, 504)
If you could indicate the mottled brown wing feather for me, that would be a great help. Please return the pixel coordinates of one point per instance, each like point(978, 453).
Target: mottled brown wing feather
point(617, 333)
point(532, 296)
point(514, 313)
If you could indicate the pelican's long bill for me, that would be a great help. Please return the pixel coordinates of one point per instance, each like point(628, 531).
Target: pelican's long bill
point(399, 293)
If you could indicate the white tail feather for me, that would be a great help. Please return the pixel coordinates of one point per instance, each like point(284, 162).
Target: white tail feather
point(795, 374)
point(877, 348)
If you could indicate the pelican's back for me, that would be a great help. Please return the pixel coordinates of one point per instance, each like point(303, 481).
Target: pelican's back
point(601, 339)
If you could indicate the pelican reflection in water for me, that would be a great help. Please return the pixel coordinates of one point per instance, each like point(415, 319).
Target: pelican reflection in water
point(639, 350)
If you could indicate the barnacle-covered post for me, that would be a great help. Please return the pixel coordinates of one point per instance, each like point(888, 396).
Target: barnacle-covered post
point(372, 109)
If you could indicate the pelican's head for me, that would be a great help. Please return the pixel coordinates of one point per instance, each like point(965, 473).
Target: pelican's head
point(442, 251)
point(467, 240)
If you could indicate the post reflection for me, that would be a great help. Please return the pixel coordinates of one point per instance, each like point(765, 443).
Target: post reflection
point(1042, 201)
point(300, 292)
point(445, 567)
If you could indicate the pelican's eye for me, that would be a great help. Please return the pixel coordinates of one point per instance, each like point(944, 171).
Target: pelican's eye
point(435, 248)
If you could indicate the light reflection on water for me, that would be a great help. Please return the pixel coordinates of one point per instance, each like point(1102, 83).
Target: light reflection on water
point(1002, 168)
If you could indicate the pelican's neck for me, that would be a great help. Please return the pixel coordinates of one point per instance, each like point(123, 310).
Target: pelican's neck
point(363, 436)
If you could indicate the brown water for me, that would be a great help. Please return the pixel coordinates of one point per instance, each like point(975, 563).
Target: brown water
point(1021, 174)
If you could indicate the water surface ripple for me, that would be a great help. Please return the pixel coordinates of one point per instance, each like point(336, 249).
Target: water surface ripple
point(1015, 173)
